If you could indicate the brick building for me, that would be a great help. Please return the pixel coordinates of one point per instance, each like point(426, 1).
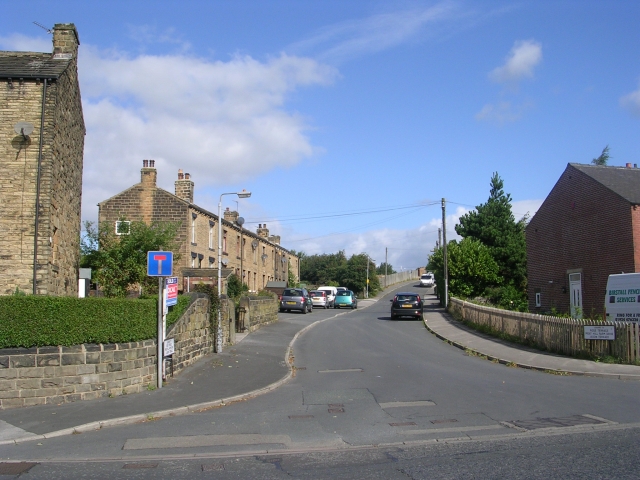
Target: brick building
point(41, 152)
point(258, 257)
point(587, 228)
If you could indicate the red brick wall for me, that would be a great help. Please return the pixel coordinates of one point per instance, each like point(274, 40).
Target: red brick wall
point(581, 226)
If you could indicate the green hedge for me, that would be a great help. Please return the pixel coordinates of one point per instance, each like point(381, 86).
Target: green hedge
point(30, 321)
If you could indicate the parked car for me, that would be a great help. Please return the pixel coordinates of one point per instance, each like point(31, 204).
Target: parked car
point(346, 298)
point(331, 294)
point(296, 299)
point(341, 288)
point(319, 298)
point(406, 304)
point(427, 280)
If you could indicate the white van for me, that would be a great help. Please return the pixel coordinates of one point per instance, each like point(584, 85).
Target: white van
point(331, 294)
point(622, 300)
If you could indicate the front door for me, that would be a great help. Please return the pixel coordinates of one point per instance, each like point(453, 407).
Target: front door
point(575, 289)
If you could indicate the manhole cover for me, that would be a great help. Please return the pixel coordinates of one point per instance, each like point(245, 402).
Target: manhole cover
point(557, 422)
point(15, 468)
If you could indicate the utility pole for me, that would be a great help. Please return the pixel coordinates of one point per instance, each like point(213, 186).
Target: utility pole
point(366, 295)
point(386, 264)
point(444, 246)
point(439, 238)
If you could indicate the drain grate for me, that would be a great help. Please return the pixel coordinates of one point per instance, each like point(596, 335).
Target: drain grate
point(558, 422)
point(448, 420)
point(299, 417)
point(15, 468)
point(336, 410)
point(140, 465)
point(211, 467)
point(402, 424)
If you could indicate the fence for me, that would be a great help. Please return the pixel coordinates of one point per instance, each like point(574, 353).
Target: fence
point(559, 335)
point(387, 280)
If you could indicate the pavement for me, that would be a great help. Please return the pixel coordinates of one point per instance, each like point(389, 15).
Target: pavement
point(260, 362)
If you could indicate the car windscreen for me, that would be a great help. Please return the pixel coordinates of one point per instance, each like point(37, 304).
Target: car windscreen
point(343, 294)
point(292, 293)
point(407, 298)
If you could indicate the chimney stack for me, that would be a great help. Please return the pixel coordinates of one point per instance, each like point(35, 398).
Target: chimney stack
point(148, 173)
point(262, 231)
point(628, 165)
point(184, 187)
point(230, 216)
point(65, 41)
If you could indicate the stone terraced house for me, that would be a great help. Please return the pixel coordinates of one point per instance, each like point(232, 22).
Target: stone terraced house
point(41, 154)
point(258, 256)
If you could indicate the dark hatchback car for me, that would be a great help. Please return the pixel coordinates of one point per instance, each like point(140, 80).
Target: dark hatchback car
point(296, 299)
point(406, 304)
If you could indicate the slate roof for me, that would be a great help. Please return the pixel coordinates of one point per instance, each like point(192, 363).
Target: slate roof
point(621, 180)
point(16, 65)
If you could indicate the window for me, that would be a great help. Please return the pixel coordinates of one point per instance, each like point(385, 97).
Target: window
point(237, 245)
point(123, 227)
point(538, 299)
point(212, 262)
point(193, 228)
point(224, 241)
point(211, 224)
point(193, 259)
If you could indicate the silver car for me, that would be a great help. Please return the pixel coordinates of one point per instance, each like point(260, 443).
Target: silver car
point(319, 298)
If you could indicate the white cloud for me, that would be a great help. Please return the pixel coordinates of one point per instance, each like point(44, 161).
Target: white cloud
point(521, 208)
point(631, 102)
point(375, 33)
point(523, 58)
point(220, 121)
point(502, 112)
point(22, 43)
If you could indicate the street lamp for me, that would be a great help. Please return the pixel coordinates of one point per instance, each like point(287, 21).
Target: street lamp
point(242, 194)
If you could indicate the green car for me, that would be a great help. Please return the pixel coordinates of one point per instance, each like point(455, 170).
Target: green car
point(346, 298)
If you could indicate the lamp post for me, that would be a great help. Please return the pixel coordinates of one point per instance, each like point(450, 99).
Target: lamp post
point(242, 194)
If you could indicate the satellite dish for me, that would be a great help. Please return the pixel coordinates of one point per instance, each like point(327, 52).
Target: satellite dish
point(224, 261)
point(240, 221)
point(23, 128)
point(254, 244)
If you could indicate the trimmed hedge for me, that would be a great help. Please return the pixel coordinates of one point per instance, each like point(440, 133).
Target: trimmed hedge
point(36, 321)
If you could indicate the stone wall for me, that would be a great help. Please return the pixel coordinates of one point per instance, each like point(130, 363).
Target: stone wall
point(192, 334)
point(258, 311)
point(52, 375)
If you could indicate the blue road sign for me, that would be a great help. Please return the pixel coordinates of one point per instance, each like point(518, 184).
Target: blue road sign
point(159, 264)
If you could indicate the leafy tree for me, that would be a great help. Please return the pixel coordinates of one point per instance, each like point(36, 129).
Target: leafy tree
point(389, 269)
point(471, 267)
point(119, 262)
point(604, 157)
point(494, 225)
point(354, 275)
point(322, 269)
point(235, 288)
point(291, 278)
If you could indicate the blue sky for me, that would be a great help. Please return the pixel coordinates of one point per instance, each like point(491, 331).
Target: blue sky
point(349, 120)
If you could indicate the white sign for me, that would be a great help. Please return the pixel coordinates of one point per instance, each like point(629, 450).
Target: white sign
point(168, 347)
point(599, 332)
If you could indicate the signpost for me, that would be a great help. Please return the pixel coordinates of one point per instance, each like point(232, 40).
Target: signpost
point(160, 264)
point(172, 291)
point(599, 332)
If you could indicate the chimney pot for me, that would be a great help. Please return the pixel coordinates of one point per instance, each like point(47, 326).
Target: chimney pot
point(152, 163)
point(145, 163)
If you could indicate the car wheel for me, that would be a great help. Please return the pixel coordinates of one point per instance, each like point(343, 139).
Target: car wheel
point(393, 316)
point(304, 310)
point(282, 310)
point(326, 306)
point(353, 307)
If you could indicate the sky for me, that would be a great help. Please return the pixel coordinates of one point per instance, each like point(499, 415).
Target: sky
point(348, 121)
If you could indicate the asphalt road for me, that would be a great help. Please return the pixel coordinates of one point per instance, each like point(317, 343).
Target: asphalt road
point(374, 398)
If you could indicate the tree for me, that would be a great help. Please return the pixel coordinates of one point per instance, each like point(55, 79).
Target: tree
point(291, 278)
point(235, 288)
point(354, 274)
point(494, 225)
point(604, 157)
point(388, 267)
point(119, 262)
point(472, 269)
point(322, 269)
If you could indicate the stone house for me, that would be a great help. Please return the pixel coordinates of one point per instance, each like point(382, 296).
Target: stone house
point(258, 256)
point(41, 153)
point(587, 228)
